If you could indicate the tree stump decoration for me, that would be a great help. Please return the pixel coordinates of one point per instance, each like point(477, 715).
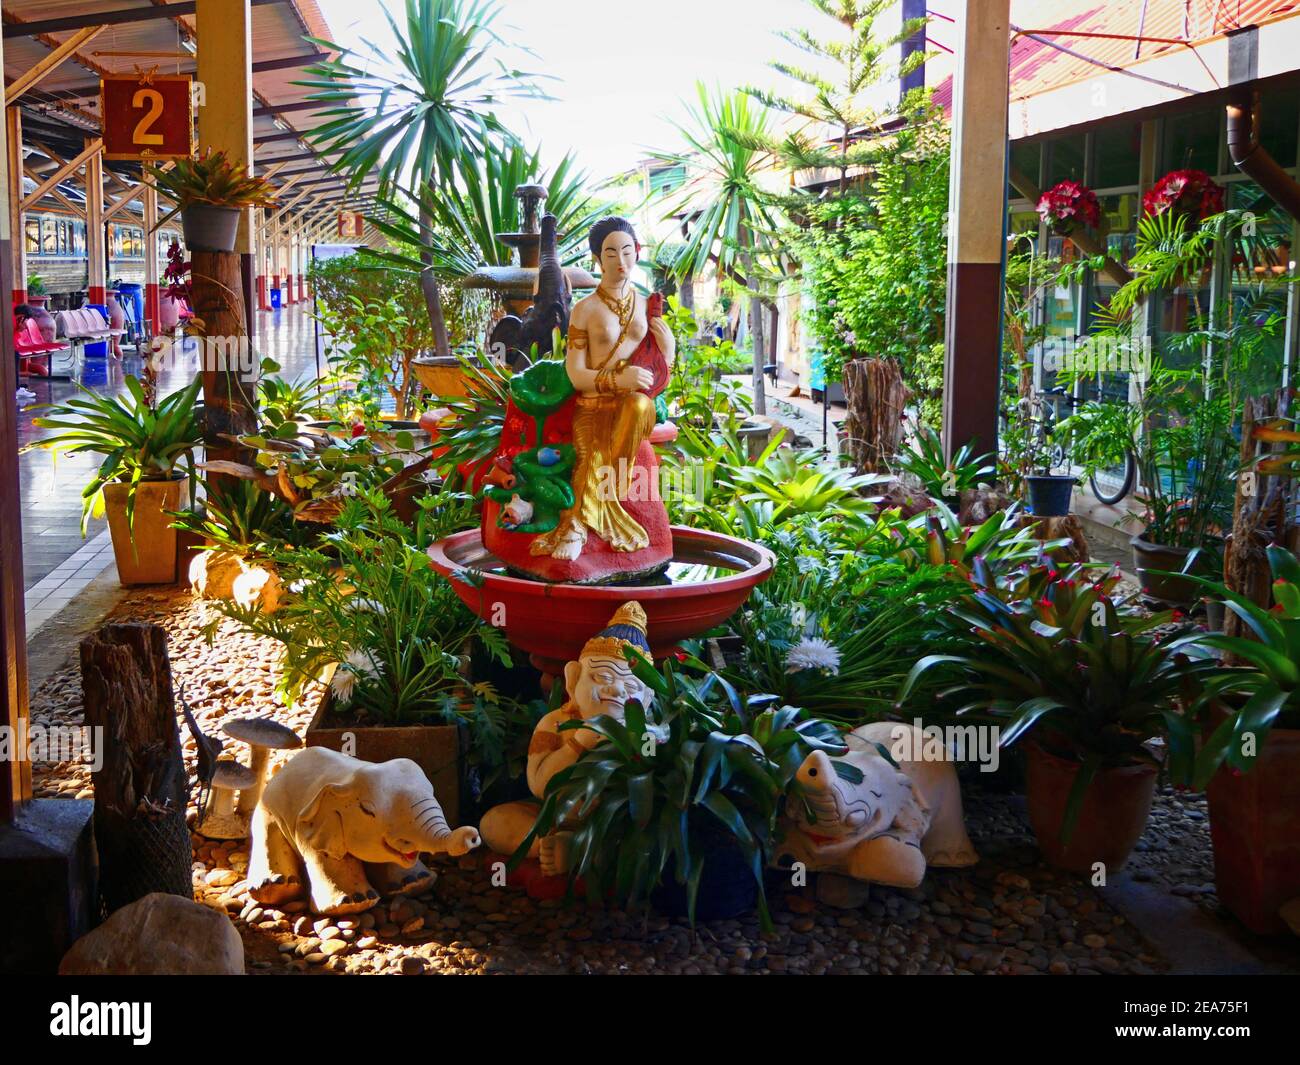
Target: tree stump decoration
point(1067, 527)
point(1259, 511)
point(141, 788)
point(229, 401)
point(875, 396)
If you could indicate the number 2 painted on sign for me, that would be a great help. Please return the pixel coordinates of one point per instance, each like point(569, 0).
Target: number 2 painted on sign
point(152, 99)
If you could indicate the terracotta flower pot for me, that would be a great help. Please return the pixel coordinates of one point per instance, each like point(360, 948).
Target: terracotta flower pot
point(1148, 557)
point(1115, 810)
point(1255, 829)
point(146, 550)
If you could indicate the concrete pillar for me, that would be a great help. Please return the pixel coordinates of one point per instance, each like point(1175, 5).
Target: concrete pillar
point(225, 67)
point(149, 201)
point(976, 226)
point(96, 235)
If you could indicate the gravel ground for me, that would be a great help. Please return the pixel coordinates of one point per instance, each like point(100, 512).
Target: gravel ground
point(1009, 914)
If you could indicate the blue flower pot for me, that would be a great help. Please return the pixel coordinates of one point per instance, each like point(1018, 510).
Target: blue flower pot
point(1049, 494)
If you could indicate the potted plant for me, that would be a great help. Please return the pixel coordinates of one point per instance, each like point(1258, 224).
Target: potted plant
point(1050, 658)
point(37, 296)
point(1249, 761)
point(365, 614)
point(1067, 205)
point(1047, 493)
point(148, 455)
point(678, 804)
point(210, 192)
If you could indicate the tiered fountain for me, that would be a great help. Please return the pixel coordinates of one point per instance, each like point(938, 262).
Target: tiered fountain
point(573, 523)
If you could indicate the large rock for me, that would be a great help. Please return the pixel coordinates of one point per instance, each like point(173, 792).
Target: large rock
point(155, 936)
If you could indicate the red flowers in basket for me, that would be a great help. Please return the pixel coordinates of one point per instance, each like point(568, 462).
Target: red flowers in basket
point(1066, 204)
point(1188, 192)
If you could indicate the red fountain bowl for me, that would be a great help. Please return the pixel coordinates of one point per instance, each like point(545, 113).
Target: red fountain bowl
point(553, 621)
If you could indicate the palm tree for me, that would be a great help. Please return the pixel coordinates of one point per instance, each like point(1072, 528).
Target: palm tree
point(469, 213)
point(410, 117)
point(731, 218)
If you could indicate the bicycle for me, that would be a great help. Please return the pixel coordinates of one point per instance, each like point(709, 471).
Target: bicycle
point(1043, 413)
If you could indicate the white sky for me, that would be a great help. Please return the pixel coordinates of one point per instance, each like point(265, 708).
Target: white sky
point(623, 66)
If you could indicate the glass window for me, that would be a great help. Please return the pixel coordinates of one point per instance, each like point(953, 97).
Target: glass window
point(49, 235)
point(1191, 142)
point(1026, 158)
point(32, 236)
point(1116, 154)
point(1065, 160)
point(79, 237)
point(1279, 114)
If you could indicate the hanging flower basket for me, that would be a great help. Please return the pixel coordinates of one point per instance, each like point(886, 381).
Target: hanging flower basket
point(1187, 192)
point(1067, 205)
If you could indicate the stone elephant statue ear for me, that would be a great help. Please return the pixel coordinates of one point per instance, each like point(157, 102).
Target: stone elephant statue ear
point(320, 821)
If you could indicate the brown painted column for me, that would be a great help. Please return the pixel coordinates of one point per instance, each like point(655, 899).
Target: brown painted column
point(15, 773)
point(976, 226)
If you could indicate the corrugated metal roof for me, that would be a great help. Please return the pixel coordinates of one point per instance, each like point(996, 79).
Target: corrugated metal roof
point(1037, 67)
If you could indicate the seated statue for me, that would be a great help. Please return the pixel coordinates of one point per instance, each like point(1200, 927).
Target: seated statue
point(601, 681)
point(585, 504)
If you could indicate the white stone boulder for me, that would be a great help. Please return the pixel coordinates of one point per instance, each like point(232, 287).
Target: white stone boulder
point(158, 935)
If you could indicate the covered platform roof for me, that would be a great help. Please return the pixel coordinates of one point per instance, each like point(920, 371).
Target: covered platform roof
point(123, 36)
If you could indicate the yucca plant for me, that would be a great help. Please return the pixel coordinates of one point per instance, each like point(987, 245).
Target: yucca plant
point(138, 442)
point(1265, 690)
point(472, 209)
point(1049, 653)
point(721, 762)
point(210, 179)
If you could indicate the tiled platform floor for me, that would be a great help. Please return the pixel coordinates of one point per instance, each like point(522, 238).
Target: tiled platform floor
point(57, 562)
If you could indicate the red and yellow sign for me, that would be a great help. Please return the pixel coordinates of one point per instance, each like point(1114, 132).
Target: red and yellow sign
point(352, 225)
point(147, 116)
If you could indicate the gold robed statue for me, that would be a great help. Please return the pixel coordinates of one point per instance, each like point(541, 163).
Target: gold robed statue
point(619, 350)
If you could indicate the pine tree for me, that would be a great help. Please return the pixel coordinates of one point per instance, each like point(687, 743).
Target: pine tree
point(841, 113)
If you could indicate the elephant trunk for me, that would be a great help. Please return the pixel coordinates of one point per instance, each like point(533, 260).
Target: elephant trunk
point(435, 833)
point(816, 778)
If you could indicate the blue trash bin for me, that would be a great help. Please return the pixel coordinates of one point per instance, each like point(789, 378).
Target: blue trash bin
point(99, 349)
point(275, 299)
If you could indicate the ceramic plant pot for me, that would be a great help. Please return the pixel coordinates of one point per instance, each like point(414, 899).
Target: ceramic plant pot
point(1115, 810)
point(145, 549)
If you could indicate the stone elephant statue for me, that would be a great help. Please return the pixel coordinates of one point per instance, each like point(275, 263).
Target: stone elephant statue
point(886, 828)
point(346, 832)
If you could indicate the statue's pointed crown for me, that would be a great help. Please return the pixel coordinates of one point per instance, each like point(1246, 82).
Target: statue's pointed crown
point(627, 628)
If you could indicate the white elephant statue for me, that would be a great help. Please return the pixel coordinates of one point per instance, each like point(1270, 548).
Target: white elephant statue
point(347, 832)
point(886, 828)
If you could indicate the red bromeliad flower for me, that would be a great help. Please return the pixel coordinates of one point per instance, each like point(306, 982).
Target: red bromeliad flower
point(1068, 203)
point(1189, 192)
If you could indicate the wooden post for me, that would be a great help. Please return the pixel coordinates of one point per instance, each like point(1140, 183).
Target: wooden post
point(976, 227)
point(15, 773)
point(14, 212)
point(141, 789)
point(96, 235)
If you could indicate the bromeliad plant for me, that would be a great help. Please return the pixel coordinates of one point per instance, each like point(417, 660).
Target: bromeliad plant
point(210, 179)
point(1052, 656)
point(139, 442)
point(945, 478)
point(1263, 692)
point(702, 757)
